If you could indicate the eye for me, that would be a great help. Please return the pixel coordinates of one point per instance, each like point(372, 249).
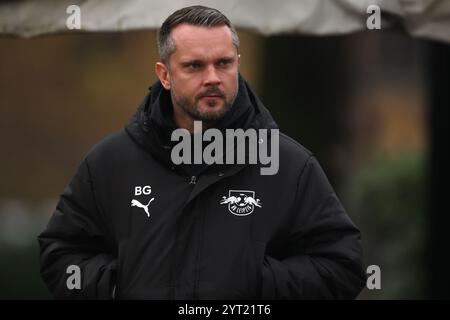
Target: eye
point(225, 62)
point(194, 65)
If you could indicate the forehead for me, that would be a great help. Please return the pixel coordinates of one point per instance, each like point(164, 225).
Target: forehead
point(196, 41)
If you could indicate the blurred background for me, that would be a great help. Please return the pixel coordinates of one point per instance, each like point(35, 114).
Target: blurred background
point(372, 105)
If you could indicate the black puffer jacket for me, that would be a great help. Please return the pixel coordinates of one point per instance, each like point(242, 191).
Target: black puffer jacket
point(135, 223)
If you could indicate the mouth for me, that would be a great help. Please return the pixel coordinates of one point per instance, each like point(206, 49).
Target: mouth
point(212, 96)
point(212, 100)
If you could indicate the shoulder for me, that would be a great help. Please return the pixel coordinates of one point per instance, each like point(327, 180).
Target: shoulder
point(293, 151)
point(291, 158)
point(112, 144)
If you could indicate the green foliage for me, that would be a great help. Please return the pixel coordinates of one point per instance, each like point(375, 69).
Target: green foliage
point(20, 276)
point(387, 198)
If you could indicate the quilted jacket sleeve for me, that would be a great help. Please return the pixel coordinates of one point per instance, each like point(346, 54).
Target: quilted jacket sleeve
point(76, 235)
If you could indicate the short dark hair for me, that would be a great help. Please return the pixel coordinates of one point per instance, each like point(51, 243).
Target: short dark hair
point(194, 15)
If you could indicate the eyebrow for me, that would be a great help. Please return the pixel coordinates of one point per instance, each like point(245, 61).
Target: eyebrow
point(226, 59)
point(198, 61)
point(188, 62)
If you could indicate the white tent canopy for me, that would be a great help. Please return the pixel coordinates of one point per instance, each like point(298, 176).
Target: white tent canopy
point(423, 18)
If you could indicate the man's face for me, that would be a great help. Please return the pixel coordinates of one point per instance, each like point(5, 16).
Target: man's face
point(203, 71)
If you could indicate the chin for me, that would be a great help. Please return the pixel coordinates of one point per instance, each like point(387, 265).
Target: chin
point(212, 115)
point(208, 110)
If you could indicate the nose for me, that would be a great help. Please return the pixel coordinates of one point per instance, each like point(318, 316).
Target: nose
point(211, 77)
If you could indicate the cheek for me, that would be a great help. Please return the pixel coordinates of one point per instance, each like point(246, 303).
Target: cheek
point(185, 87)
point(231, 83)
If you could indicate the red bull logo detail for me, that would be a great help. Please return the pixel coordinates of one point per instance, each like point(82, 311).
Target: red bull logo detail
point(241, 202)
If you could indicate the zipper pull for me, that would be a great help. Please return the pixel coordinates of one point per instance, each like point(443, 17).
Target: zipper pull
point(193, 180)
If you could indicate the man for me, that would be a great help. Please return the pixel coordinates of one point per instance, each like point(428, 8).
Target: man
point(132, 224)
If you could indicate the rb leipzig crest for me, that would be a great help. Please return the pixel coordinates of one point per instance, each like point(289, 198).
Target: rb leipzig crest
point(241, 202)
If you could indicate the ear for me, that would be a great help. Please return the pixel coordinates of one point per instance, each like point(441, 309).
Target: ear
point(239, 59)
point(162, 71)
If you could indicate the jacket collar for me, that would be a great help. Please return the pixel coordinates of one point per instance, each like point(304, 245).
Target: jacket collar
point(152, 124)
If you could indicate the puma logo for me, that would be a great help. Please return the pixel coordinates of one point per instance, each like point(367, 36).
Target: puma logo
point(136, 203)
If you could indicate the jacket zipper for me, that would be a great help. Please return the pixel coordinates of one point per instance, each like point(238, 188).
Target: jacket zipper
point(193, 180)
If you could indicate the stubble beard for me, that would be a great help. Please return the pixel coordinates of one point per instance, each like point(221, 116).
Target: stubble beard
point(192, 109)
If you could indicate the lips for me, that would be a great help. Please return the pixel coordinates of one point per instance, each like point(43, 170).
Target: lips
point(212, 97)
point(211, 93)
